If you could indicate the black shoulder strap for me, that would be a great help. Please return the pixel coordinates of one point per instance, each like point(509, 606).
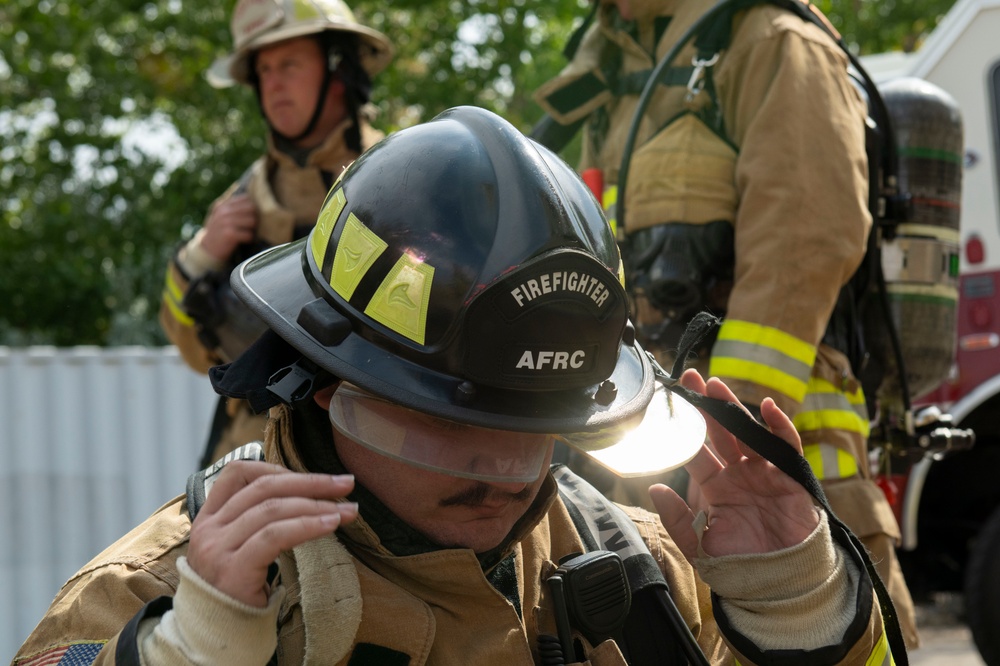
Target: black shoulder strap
point(199, 483)
point(604, 526)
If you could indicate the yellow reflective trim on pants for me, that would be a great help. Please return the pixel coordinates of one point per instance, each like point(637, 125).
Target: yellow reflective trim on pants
point(829, 462)
point(881, 655)
point(172, 296)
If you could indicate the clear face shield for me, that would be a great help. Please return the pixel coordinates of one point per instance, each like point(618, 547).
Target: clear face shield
point(436, 444)
point(666, 437)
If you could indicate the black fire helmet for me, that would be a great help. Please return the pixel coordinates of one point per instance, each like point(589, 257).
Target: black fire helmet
point(460, 269)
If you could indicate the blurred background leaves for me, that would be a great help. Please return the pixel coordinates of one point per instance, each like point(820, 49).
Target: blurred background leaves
point(112, 143)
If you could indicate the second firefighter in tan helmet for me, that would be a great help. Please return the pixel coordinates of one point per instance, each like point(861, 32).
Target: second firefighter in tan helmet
point(310, 64)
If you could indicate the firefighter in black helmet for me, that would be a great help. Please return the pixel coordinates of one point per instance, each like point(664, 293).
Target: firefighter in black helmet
point(458, 307)
point(310, 64)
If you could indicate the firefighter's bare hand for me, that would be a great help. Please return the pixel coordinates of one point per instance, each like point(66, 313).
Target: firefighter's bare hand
point(752, 506)
point(229, 223)
point(254, 512)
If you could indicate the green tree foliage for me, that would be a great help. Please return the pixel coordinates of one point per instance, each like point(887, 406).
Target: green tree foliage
point(877, 26)
point(112, 144)
point(90, 211)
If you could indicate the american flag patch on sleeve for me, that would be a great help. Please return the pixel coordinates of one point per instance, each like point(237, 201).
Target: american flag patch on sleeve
point(81, 653)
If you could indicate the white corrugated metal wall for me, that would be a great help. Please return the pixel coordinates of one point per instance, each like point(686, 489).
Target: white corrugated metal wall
point(93, 440)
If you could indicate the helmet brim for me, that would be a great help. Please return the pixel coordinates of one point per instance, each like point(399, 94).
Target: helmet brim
point(275, 286)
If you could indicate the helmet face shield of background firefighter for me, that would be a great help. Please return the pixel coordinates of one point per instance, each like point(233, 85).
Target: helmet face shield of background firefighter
point(436, 444)
point(259, 23)
point(667, 436)
point(460, 269)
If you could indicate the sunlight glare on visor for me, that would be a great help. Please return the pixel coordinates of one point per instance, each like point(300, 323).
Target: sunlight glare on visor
point(669, 435)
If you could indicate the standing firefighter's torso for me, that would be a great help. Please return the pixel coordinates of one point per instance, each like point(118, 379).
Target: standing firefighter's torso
point(747, 195)
point(747, 192)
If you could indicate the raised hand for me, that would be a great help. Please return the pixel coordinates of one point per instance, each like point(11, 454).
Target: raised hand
point(229, 223)
point(255, 511)
point(752, 506)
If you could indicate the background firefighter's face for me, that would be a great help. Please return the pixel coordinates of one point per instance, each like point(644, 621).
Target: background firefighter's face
point(290, 76)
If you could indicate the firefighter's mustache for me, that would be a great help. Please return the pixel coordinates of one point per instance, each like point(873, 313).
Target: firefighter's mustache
point(480, 493)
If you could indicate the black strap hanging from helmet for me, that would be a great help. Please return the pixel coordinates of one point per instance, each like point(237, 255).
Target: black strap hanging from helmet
point(777, 451)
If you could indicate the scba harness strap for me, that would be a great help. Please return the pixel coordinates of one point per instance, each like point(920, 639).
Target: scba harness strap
point(603, 526)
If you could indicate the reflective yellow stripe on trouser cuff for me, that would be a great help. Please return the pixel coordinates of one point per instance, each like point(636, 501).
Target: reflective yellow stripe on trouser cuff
point(829, 462)
point(827, 407)
point(763, 355)
point(881, 655)
point(172, 296)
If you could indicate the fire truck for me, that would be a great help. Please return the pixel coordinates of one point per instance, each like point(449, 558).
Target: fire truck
point(948, 501)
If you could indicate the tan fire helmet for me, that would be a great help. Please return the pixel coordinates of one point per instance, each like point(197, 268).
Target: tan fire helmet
point(258, 23)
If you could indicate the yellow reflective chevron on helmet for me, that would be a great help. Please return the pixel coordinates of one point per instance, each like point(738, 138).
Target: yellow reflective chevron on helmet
point(400, 302)
point(357, 250)
point(324, 226)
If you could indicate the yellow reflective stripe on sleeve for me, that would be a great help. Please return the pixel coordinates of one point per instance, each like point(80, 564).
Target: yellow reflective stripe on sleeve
point(881, 655)
point(763, 355)
point(401, 300)
point(758, 374)
point(829, 462)
point(357, 250)
point(611, 207)
point(172, 289)
point(769, 338)
point(825, 406)
point(172, 297)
